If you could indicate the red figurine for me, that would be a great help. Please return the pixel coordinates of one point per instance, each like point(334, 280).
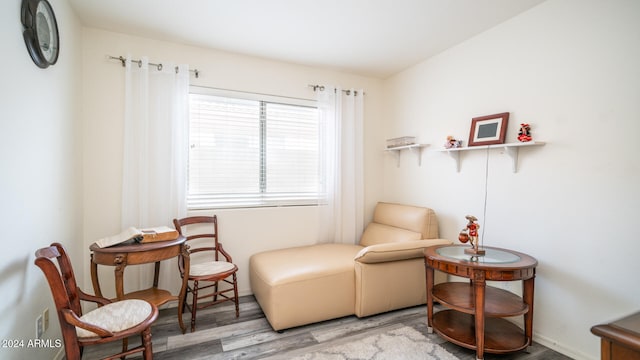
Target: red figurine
point(470, 233)
point(524, 135)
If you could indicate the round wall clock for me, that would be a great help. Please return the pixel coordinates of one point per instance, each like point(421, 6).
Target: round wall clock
point(40, 32)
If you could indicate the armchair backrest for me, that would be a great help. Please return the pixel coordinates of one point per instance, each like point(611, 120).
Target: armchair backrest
point(397, 222)
point(201, 227)
point(61, 278)
point(64, 289)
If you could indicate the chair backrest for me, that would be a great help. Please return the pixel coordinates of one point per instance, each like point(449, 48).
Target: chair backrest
point(201, 227)
point(397, 222)
point(61, 278)
point(64, 288)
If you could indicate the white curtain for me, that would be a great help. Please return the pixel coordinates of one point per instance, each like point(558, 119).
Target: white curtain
point(154, 176)
point(341, 120)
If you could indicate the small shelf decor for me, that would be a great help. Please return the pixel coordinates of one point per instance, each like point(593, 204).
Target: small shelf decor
point(401, 142)
point(524, 134)
point(452, 143)
point(489, 129)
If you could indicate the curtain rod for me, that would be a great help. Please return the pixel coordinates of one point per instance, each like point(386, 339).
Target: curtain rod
point(122, 60)
point(251, 92)
point(321, 88)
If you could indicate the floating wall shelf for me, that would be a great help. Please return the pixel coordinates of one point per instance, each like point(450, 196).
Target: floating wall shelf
point(417, 148)
point(509, 149)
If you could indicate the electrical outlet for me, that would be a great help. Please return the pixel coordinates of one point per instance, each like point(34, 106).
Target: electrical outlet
point(45, 317)
point(39, 328)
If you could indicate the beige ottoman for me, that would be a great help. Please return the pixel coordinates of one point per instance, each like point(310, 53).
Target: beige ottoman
point(303, 285)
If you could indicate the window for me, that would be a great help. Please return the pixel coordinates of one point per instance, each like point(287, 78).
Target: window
point(249, 150)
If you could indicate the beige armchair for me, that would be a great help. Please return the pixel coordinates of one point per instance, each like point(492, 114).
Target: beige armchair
point(384, 272)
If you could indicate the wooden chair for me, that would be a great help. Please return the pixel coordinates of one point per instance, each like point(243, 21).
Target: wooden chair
point(112, 321)
point(216, 269)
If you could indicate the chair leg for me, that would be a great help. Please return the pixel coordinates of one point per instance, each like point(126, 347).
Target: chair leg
point(194, 301)
point(235, 294)
point(146, 342)
point(194, 305)
point(125, 346)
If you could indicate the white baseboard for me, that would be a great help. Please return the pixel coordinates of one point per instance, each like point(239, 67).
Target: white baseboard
point(572, 353)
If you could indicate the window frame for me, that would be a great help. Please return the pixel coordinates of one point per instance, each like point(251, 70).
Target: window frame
point(263, 198)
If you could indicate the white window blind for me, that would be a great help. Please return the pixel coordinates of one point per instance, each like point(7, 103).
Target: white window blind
point(251, 150)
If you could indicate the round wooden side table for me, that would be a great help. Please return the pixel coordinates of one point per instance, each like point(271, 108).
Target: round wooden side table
point(475, 312)
point(121, 255)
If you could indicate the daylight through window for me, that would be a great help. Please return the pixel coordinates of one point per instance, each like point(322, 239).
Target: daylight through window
point(250, 150)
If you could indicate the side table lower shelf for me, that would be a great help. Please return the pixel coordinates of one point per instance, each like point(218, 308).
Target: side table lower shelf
point(498, 302)
point(153, 295)
point(500, 335)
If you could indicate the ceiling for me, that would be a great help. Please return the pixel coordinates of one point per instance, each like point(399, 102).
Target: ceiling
point(368, 37)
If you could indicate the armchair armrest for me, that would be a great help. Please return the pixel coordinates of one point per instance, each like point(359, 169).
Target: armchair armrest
point(396, 251)
point(74, 320)
point(224, 253)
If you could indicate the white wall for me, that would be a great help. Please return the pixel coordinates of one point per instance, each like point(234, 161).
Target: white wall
point(243, 232)
point(570, 69)
point(40, 174)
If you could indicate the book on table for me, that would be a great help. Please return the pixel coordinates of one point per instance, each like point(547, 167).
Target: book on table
point(158, 233)
point(132, 234)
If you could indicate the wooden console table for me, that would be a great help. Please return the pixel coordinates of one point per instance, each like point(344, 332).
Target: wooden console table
point(134, 254)
point(475, 312)
point(620, 339)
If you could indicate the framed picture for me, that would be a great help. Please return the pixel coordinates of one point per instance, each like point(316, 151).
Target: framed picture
point(488, 130)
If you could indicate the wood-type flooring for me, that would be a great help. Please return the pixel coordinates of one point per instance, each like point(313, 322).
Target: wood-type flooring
point(220, 335)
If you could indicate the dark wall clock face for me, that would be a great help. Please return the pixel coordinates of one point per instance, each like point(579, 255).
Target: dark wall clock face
point(40, 32)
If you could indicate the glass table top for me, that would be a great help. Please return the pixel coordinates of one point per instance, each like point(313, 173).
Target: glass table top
point(492, 256)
